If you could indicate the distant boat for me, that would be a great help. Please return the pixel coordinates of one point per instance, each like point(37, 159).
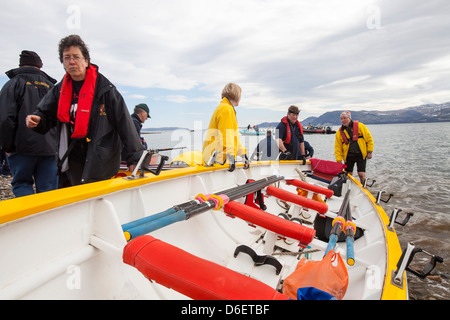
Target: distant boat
point(252, 132)
point(322, 130)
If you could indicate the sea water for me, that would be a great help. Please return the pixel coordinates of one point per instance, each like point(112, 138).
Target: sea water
point(409, 160)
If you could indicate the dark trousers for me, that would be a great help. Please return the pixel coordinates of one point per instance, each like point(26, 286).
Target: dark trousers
point(358, 159)
point(27, 171)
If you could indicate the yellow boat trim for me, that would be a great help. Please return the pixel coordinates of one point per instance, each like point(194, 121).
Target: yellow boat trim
point(22, 207)
point(393, 254)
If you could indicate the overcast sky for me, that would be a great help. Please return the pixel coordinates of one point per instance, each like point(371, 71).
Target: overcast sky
point(177, 55)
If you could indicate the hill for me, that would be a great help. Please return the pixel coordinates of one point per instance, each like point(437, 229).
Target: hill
point(423, 113)
point(418, 114)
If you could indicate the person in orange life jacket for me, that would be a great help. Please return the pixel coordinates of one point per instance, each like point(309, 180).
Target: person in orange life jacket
point(91, 117)
point(31, 156)
point(353, 144)
point(290, 136)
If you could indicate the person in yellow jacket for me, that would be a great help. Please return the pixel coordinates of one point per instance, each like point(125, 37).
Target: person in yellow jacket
point(353, 144)
point(222, 135)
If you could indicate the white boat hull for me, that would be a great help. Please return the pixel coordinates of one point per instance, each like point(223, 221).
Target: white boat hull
point(68, 243)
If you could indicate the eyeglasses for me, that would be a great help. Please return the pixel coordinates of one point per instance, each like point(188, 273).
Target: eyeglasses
point(75, 58)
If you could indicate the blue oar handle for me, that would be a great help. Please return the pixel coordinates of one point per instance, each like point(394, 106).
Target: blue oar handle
point(159, 215)
point(148, 219)
point(350, 251)
point(331, 243)
point(350, 229)
point(154, 225)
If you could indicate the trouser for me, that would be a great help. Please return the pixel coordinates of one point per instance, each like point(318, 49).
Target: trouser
point(27, 171)
point(358, 159)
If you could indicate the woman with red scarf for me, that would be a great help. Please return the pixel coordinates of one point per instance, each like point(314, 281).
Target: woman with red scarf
point(92, 119)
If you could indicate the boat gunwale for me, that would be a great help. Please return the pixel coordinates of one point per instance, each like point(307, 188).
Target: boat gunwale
point(392, 248)
point(21, 207)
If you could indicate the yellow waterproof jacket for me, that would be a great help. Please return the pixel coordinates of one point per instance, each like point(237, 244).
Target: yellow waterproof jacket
point(223, 134)
point(365, 143)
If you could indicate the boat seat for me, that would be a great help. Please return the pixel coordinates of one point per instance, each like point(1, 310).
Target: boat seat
point(192, 276)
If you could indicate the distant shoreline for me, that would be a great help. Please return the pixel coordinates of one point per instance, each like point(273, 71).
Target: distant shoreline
point(266, 125)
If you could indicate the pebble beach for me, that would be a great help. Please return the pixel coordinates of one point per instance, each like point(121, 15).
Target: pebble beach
point(5, 188)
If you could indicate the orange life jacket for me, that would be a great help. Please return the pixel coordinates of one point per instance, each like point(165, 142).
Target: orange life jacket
point(354, 135)
point(288, 128)
point(85, 98)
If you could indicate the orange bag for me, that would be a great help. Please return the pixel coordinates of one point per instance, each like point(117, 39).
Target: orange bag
point(324, 279)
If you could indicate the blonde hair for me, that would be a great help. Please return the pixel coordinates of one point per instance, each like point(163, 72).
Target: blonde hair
point(232, 92)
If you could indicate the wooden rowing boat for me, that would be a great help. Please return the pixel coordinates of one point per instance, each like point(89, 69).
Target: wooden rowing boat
point(72, 243)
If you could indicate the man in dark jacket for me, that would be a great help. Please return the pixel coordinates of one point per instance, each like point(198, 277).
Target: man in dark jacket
point(91, 117)
point(290, 136)
point(32, 156)
point(140, 114)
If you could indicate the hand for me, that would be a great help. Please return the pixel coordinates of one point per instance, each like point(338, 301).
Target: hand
point(131, 167)
point(287, 155)
point(369, 155)
point(32, 121)
point(232, 162)
point(246, 162)
point(302, 157)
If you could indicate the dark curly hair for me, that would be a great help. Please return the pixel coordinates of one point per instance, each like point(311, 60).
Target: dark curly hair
point(73, 40)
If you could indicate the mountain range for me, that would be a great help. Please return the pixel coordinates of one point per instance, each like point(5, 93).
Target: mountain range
point(418, 114)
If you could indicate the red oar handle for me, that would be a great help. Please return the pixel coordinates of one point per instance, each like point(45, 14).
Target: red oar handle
point(310, 187)
point(271, 222)
point(300, 200)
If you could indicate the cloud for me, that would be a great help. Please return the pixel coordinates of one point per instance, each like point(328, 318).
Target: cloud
point(136, 96)
point(317, 54)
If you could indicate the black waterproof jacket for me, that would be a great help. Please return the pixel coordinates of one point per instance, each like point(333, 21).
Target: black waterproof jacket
point(109, 124)
point(18, 98)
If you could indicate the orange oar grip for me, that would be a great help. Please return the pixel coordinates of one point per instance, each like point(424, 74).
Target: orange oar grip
point(294, 198)
point(310, 187)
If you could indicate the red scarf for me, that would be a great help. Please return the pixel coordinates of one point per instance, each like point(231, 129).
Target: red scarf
point(288, 127)
point(85, 98)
